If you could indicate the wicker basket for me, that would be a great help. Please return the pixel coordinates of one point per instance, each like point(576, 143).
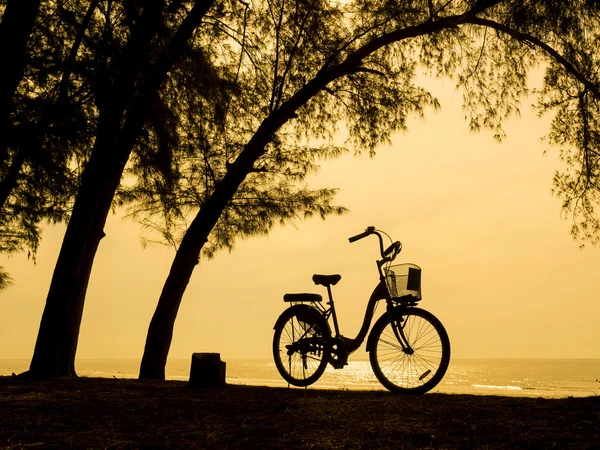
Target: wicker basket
point(404, 280)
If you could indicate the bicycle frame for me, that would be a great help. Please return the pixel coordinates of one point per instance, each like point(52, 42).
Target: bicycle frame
point(379, 293)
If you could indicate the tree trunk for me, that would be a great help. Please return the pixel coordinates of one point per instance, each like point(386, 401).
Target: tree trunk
point(57, 338)
point(160, 331)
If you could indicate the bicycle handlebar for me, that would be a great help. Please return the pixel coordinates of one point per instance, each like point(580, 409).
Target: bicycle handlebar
point(394, 248)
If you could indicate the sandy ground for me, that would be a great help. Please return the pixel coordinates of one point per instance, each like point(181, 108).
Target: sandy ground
point(119, 413)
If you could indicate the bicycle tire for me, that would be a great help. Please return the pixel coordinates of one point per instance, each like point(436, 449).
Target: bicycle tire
point(308, 362)
point(415, 373)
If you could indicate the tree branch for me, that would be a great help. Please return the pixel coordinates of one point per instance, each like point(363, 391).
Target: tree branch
point(276, 64)
point(64, 82)
point(368, 70)
point(527, 38)
point(586, 134)
point(290, 58)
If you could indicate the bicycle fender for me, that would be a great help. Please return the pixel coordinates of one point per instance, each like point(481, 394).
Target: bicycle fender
point(371, 340)
point(306, 311)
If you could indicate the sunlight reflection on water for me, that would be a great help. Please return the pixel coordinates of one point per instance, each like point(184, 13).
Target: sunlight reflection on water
point(520, 377)
point(531, 378)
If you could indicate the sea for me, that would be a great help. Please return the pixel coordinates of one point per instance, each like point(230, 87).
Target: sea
point(549, 378)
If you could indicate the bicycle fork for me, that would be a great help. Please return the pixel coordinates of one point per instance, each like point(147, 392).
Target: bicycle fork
point(396, 321)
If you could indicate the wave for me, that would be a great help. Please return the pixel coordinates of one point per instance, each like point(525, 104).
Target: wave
point(491, 386)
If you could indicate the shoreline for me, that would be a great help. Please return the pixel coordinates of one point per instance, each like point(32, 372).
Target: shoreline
point(549, 378)
point(127, 413)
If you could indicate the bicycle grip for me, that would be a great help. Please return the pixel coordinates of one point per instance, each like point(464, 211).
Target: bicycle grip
point(360, 236)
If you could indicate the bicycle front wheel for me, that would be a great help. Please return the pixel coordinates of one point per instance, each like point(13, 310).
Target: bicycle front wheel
point(298, 345)
point(417, 368)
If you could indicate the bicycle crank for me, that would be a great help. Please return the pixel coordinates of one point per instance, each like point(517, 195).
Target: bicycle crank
point(338, 353)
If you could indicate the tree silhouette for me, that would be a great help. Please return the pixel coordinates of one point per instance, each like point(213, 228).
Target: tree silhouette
point(134, 45)
point(108, 79)
point(314, 63)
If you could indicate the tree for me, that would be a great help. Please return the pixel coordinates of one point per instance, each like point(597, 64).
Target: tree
point(134, 45)
point(313, 63)
point(343, 62)
point(131, 58)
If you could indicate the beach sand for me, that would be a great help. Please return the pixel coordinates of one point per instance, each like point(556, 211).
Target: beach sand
point(125, 413)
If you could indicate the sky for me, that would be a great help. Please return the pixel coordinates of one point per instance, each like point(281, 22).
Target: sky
point(500, 269)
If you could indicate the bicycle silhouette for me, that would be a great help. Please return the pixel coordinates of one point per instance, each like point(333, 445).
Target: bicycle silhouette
point(408, 347)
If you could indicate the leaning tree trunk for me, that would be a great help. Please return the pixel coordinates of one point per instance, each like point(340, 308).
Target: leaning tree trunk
point(160, 331)
point(64, 305)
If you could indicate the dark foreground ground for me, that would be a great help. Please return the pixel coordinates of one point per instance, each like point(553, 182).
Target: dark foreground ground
point(111, 413)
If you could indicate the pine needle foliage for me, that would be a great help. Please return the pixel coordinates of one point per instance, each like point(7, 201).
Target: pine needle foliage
point(48, 132)
point(269, 51)
point(562, 36)
point(206, 113)
point(5, 279)
point(248, 61)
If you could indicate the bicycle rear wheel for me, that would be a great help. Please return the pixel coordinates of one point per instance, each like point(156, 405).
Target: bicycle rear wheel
point(418, 368)
point(298, 345)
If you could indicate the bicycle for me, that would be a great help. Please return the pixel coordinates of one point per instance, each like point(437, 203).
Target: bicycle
point(408, 347)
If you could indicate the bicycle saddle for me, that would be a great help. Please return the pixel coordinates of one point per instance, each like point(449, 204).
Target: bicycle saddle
point(326, 280)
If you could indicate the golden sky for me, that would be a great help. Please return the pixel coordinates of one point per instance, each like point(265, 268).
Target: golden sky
point(500, 269)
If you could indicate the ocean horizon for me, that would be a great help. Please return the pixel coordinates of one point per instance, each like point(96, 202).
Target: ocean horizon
point(551, 378)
